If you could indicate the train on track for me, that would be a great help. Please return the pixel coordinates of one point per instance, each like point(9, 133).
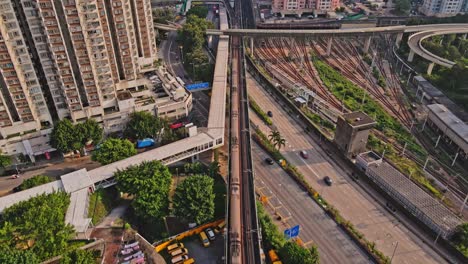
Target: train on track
point(331, 25)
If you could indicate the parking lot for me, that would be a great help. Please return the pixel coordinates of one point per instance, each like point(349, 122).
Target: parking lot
point(209, 255)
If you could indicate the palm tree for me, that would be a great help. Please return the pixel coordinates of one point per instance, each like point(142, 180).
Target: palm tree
point(276, 139)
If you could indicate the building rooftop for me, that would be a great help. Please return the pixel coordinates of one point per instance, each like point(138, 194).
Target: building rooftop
point(430, 89)
point(357, 119)
point(450, 120)
point(411, 194)
point(76, 180)
point(77, 211)
point(369, 156)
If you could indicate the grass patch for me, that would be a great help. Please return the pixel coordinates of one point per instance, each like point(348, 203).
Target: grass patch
point(101, 203)
point(260, 112)
point(353, 94)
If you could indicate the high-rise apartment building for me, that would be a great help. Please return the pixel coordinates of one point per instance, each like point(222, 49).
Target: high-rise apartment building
point(71, 59)
point(444, 8)
point(298, 7)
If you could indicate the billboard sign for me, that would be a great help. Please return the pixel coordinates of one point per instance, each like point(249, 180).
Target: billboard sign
point(197, 86)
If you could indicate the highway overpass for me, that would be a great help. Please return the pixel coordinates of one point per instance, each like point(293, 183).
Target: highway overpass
point(416, 47)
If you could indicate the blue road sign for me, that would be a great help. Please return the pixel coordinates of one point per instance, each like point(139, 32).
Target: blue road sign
point(292, 232)
point(295, 231)
point(197, 86)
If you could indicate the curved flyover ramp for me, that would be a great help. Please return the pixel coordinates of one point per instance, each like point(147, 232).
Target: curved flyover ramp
point(416, 47)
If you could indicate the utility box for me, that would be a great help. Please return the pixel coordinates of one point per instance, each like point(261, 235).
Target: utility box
point(352, 132)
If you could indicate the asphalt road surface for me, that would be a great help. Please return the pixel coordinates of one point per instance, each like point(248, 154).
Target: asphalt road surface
point(368, 216)
point(316, 227)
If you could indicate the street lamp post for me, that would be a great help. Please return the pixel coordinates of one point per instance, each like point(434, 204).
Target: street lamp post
point(181, 53)
point(394, 250)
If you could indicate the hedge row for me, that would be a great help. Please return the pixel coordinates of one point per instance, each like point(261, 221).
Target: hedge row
point(289, 251)
point(365, 244)
point(259, 111)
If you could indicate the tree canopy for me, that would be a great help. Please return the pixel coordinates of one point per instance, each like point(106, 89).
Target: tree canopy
point(163, 15)
point(199, 11)
point(37, 225)
point(292, 253)
point(15, 256)
point(194, 199)
point(192, 38)
point(34, 181)
point(402, 6)
point(79, 256)
point(143, 125)
point(460, 238)
point(276, 139)
point(114, 149)
point(67, 137)
point(4, 160)
point(149, 182)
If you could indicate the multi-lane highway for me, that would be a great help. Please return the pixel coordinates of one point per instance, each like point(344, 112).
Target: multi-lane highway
point(369, 217)
point(316, 227)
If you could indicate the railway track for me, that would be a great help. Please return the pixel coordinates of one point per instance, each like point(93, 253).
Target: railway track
point(276, 49)
point(243, 235)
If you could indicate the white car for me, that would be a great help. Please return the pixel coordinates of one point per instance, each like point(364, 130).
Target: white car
point(209, 232)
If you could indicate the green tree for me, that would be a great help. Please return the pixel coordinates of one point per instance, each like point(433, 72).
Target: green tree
point(461, 235)
point(214, 168)
point(114, 149)
point(199, 11)
point(276, 139)
point(143, 125)
point(79, 256)
point(292, 253)
point(89, 131)
point(163, 15)
point(64, 136)
point(4, 160)
point(15, 256)
point(194, 199)
point(402, 6)
point(149, 183)
point(34, 181)
point(37, 225)
point(192, 38)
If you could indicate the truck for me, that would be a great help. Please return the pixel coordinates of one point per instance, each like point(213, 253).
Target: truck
point(144, 143)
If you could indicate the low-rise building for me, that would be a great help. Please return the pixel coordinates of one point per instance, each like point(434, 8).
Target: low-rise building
point(299, 7)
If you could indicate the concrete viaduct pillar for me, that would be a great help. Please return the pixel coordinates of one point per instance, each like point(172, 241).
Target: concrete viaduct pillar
point(398, 39)
point(367, 43)
point(411, 56)
point(329, 46)
point(429, 68)
point(464, 36)
point(252, 46)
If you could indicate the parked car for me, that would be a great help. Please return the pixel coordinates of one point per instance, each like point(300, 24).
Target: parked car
point(219, 228)
point(304, 154)
point(269, 161)
point(174, 247)
point(328, 180)
point(210, 234)
point(180, 251)
point(179, 259)
point(204, 239)
point(270, 114)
